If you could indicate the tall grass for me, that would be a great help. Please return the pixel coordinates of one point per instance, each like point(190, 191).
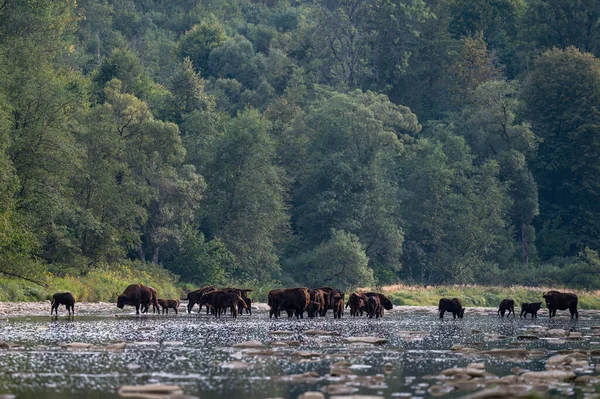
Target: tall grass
point(98, 285)
point(484, 296)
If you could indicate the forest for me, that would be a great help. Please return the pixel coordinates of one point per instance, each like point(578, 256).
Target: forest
point(337, 142)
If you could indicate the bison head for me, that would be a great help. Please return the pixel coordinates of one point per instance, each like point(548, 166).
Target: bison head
point(121, 301)
point(462, 313)
point(386, 303)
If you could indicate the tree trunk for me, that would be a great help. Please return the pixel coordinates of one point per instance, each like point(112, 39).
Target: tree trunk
point(155, 256)
point(141, 253)
point(524, 243)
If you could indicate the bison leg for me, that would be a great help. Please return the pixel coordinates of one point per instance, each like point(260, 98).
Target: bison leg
point(137, 309)
point(442, 314)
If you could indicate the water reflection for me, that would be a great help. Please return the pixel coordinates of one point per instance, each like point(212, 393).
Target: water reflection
point(191, 350)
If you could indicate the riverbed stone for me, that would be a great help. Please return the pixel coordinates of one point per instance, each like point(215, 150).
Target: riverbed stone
point(310, 377)
point(340, 389)
point(235, 365)
point(306, 354)
point(549, 376)
point(356, 397)
point(440, 390)
point(365, 340)
point(312, 395)
point(321, 332)
point(150, 389)
point(249, 344)
point(77, 345)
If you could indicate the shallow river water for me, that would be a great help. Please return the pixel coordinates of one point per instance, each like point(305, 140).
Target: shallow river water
point(197, 353)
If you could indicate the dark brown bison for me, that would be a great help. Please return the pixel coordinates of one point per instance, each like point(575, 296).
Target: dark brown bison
point(243, 293)
point(292, 300)
point(248, 305)
point(561, 301)
point(194, 297)
point(314, 309)
point(63, 298)
point(374, 307)
point(155, 308)
point(326, 291)
point(453, 305)
point(507, 304)
point(530, 308)
point(385, 301)
point(318, 296)
point(210, 299)
point(225, 300)
point(336, 302)
point(167, 304)
point(137, 295)
point(357, 303)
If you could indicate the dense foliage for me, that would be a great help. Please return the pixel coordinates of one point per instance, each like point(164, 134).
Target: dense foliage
point(347, 142)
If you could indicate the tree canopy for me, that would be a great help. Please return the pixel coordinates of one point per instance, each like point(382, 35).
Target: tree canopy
point(347, 142)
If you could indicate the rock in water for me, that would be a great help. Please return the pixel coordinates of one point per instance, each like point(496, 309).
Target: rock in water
point(249, 344)
point(151, 389)
point(365, 340)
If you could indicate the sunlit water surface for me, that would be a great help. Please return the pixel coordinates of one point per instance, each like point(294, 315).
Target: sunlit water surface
point(195, 352)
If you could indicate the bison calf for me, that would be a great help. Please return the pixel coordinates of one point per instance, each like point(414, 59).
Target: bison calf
point(530, 308)
point(561, 301)
point(63, 298)
point(507, 304)
point(167, 304)
point(453, 305)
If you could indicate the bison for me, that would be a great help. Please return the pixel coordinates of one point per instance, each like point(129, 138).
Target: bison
point(167, 304)
point(385, 301)
point(292, 300)
point(530, 308)
point(357, 303)
point(248, 305)
point(453, 305)
point(374, 307)
point(243, 293)
point(326, 291)
point(231, 300)
point(561, 301)
point(194, 297)
point(318, 296)
point(336, 302)
point(63, 298)
point(507, 304)
point(314, 309)
point(210, 299)
point(155, 308)
point(137, 295)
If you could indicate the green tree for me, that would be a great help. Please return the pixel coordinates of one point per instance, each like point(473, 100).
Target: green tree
point(201, 261)
point(348, 182)
point(491, 128)
point(561, 95)
point(339, 262)
point(562, 23)
point(198, 43)
point(454, 214)
point(244, 204)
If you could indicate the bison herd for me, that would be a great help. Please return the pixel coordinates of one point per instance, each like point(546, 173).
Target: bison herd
point(297, 301)
point(554, 301)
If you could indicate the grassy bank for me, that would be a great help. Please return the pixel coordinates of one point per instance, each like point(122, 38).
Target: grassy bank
point(475, 295)
point(102, 284)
